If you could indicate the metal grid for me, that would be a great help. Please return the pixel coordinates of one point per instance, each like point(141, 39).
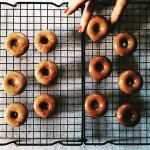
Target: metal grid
point(71, 125)
point(101, 130)
point(66, 125)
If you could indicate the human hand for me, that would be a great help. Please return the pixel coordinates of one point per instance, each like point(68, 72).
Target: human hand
point(90, 5)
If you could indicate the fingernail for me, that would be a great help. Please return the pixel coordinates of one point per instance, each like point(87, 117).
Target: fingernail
point(66, 10)
point(80, 29)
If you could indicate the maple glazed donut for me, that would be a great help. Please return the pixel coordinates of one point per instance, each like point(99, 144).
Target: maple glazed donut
point(14, 83)
point(96, 105)
point(100, 67)
point(45, 41)
point(98, 28)
point(125, 44)
point(45, 105)
point(130, 81)
point(17, 44)
point(46, 72)
point(15, 114)
point(128, 115)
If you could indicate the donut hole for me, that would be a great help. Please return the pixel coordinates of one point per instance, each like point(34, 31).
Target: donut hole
point(124, 42)
point(94, 104)
point(130, 81)
point(44, 106)
point(96, 28)
point(128, 115)
point(99, 67)
point(11, 82)
point(14, 115)
point(44, 40)
point(45, 71)
point(14, 43)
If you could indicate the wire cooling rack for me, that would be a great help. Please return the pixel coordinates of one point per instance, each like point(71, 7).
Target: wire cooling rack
point(101, 130)
point(71, 125)
point(66, 125)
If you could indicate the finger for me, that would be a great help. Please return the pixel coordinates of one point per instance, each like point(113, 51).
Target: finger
point(87, 13)
point(118, 11)
point(74, 5)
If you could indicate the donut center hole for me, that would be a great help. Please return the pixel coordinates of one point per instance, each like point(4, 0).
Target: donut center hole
point(124, 43)
point(14, 43)
point(94, 104)
point(44, 106)
point(14, 115)
point(45, 71)
point(44, 40)
point(96, 28)
point(11, 82)
point(99, 67)
point(128, 116)
point(130, 81)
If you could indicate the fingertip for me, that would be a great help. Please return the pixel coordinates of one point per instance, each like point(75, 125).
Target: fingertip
point(83, 28)
point(70, 11)
point(85, 20)
point(112, 25)
point(87, 13)
point(80, 29)
point(66, 10)
point(117, 12)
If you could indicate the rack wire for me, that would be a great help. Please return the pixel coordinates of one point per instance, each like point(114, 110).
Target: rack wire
point(71, 125)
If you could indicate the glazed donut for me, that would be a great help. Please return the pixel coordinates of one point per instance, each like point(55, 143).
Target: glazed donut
point(46, 72)
point(45, 105)
point(45, 41)
point(100, 67)
point(16, 114)
point(14, 83)
point(125, 44)
point(130, 81)
point(128, 115)
point(96, 105)
point(97, 28)
point(17, 44)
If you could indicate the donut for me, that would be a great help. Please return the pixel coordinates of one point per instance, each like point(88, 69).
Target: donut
point(45, 41)
point(96, 105)
point(46, 72)
point(128, 115)
point(17, 44)
point(15, 114)
point(98, 28)
point(125, 44)
point(130, 81)
point(14, 83)
point(45, 105)
point(100, 67)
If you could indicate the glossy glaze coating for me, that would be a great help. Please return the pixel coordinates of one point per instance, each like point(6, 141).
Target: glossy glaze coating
point(45, 105)
point(46, 72)
point(130, 81)
point(17, 44)
point(130, 44)
point(16, 114)
point(96, 111)
point(98, 28)
point(128, 115)
point(45, 41)
point(14, 83)
point(100, 67)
